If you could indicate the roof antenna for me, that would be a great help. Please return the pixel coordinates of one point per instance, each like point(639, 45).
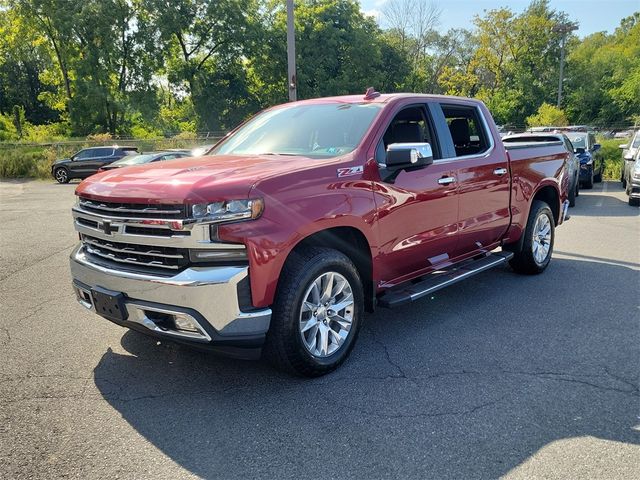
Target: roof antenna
point(371, 93)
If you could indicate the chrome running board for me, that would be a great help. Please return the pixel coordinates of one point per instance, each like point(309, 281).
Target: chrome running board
point(410, 292)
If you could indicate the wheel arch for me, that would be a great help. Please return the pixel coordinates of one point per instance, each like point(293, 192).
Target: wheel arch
point(551, 196)
point(354, 244)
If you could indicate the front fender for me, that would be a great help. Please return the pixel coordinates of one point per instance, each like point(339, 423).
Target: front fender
point(292, 213)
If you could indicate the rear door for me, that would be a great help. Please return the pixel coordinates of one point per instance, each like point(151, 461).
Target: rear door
point(82, 162)
point(482, 177)
point(103, 156)
point(418, 210)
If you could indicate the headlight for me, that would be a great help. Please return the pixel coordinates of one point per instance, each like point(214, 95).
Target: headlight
point(229, 210)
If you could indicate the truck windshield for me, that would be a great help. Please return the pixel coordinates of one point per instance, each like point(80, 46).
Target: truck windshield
point(315, 131)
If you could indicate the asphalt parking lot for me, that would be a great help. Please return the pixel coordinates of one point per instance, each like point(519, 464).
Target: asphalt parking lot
point(499, 376)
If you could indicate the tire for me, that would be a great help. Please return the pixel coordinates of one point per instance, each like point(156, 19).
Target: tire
point(598, 178)
point(624, 182)
point(589, 183)
point(61, 175)
point(634, 202)
point(298, 305)
point(525, 260)
point(572, 196)
point(577, 188)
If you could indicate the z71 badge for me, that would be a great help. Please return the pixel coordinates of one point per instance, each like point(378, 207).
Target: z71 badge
point(349, 172)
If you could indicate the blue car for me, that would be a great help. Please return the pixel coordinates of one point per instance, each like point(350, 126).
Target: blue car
point(590, 155)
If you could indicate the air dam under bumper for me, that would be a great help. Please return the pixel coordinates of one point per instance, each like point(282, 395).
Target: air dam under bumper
point(202, 299)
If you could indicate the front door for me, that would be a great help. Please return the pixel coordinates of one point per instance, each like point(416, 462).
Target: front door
point(418, 210)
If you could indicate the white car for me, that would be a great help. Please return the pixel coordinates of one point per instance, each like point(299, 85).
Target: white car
point(629, 151)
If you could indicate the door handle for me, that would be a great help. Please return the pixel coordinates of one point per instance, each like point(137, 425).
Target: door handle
point(500, 171)
point(446, 180)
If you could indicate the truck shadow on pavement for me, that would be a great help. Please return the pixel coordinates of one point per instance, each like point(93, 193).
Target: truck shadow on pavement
point(469, 383)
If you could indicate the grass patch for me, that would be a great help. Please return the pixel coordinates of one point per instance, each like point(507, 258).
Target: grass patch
point(612, 156)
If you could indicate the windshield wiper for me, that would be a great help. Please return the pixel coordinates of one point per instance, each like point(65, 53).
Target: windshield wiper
point(283, 154)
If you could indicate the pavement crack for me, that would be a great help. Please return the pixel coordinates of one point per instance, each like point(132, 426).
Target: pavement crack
point(387, 355)
point(571, 378)
point(634, 387)
point(454, 413)
point(22, 269)
point(41, 306)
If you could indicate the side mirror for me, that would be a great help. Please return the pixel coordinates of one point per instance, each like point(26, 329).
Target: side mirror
point(402, 156)
point(624, 146)
point(596, 147)
point(628, 156)
point(579, 150)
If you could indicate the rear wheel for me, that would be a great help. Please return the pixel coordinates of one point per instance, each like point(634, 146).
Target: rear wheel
point(61, 175)
point(572, 195)
point(634, 202)
point(589, 183)
point(317, 313)
point(537, 245)
point(598, 178)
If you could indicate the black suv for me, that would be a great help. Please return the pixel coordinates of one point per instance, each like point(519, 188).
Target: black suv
point(87, 162)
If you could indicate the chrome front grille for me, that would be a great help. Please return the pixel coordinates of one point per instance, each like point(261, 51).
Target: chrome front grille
point(167, 258)
point(136, 210)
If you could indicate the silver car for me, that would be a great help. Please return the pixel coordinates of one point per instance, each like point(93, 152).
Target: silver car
point(629, 151)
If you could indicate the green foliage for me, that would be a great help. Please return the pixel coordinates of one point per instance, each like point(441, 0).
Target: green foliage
point(604, 75)
point(548, 115)
point(613, 161)
point(152, 68)
point(26, 162)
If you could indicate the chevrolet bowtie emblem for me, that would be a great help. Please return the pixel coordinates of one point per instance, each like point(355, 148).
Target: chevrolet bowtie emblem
point(107, 228)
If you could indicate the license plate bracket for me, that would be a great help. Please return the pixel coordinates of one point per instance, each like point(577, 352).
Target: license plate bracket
point(109, 304)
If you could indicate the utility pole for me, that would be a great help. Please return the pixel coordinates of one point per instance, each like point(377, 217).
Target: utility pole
point(291, 53)
point(563, 29)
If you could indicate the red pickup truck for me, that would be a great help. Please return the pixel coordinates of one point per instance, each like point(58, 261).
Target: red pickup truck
point(307, 216)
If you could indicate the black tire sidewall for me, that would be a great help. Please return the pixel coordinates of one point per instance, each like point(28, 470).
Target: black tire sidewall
point(287, 311)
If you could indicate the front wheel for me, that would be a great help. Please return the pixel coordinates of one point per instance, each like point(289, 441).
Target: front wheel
point(61, 175)
point(317, 312)
point(537, 245)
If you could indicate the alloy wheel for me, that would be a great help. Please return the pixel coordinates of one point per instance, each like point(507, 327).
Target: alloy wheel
point(326, 314)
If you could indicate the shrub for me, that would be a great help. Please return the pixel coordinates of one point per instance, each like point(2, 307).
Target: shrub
point(612, 157)
point(548, 116)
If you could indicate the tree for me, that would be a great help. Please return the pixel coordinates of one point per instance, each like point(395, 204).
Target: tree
point(339, 51)
point(603, 84)
point(548, 115)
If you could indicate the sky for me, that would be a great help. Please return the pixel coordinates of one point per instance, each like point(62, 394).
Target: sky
point(592, 15)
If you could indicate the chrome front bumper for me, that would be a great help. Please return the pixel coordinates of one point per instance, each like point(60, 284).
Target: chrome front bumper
point(205, 297)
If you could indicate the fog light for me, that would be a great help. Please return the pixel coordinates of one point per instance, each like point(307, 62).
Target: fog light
point(185, 324)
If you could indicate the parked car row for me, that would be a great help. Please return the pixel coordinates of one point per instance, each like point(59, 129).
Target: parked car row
point(587, 162)
point(90, 161)
point(630, 175)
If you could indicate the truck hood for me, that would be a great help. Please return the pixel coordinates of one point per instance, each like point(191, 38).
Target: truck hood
point(190, 180)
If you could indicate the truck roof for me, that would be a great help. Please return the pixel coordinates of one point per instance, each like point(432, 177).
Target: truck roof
point(383, 98)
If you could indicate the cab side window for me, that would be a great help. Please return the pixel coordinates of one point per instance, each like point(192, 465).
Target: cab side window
point(467, 131)
point(83, 155)
point(410, 125)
